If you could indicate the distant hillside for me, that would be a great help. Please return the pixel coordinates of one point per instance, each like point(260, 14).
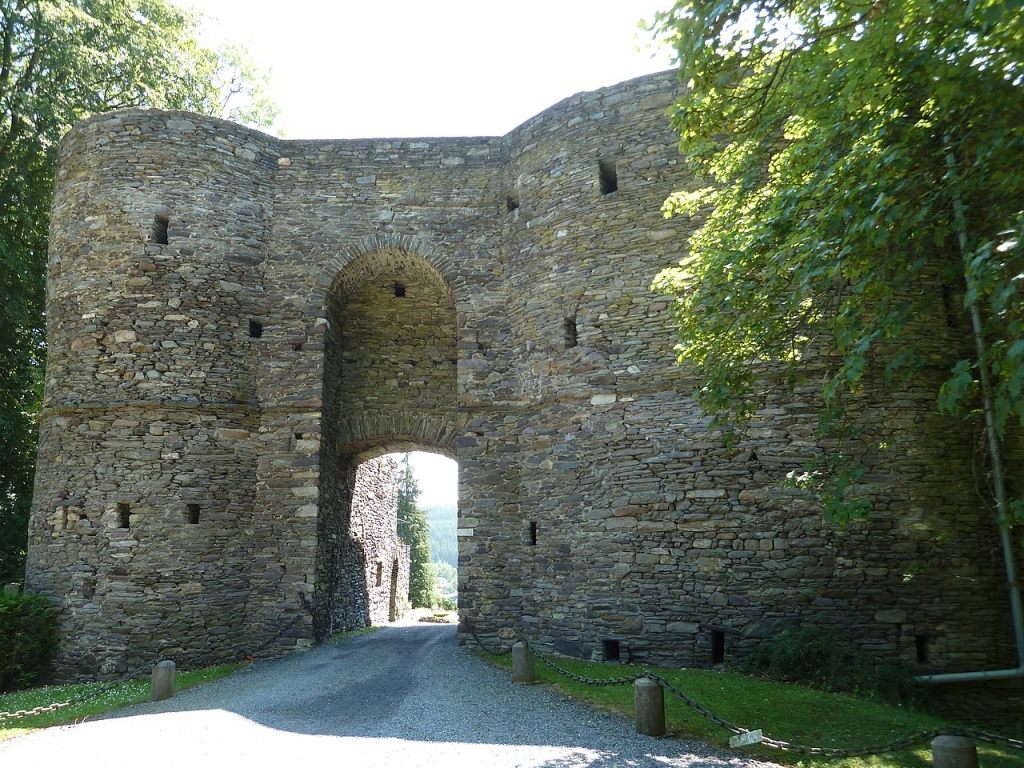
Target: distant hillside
point(443, 520)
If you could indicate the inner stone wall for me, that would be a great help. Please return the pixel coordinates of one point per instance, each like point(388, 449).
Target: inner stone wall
point(250, 365)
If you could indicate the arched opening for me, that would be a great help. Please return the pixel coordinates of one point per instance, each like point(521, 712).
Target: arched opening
point(390, 364)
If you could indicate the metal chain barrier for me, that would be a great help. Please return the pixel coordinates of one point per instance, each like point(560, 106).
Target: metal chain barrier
point(896, 745)
point(43, 709)
point(482, 644)
point(79, 699)
point(579, 678)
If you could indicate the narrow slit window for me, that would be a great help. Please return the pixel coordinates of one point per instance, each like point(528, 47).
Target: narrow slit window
point(717, 646)
point(160, 222)
point(192, 514)
point(380, 574)
point(923, 645)
point(571, 334)
point(533, 533)
point(124, 515)
point(608, 175)
point(400, 290)
point(511, 203)
point(610, 650)
point(255, 329)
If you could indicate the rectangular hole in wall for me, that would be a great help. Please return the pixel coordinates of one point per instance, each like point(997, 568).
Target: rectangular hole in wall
point(159, 234)
point(571, 338)
point(124, 515)
point(511, 203)
point(533, 533)
point(297, 346)
point(255, 329)
point(610, 650)
point(609, 176)
point(717, 646)
point(192, 514)
point(400, 290)
point(380, 574)
point(923, 645)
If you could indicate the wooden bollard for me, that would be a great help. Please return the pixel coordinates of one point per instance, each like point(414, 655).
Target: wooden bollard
point(522, 664)
point(649, 701)
point(954, 752)
point(162, 685)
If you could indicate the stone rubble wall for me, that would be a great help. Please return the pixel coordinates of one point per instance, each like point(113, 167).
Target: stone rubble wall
point(322, 303)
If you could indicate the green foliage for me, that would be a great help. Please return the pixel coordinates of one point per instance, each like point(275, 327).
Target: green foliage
point(414, 531)
point(28, 639)
point(849, 153)
point(811, 656)
point(444, 544)
point(61, 61)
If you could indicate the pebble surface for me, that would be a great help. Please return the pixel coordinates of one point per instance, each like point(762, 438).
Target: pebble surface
point(405, 696)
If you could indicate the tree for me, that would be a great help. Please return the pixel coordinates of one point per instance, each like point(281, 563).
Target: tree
point(60, 61)
point(848, 149)
point(414, 531)
point(853, 151)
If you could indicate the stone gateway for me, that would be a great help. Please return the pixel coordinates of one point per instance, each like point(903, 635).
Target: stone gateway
point(240, 325)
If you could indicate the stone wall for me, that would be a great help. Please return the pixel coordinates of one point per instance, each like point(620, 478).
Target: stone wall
point(321, 303)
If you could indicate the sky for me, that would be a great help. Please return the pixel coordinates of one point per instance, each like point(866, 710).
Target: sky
point(345, 69)
point(399, 68)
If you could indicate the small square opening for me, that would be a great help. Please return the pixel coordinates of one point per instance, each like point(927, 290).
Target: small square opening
point(923, 645)
point(124, 515)
point(610, 650)
point(159, 234)
point(255, 329)
point(608, 175)
point(400, 290)
point(570, 331)
point(511, 203)
point(717, 646)
point(192, 514)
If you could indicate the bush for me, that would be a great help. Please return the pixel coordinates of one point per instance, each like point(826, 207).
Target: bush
point(28, 639)
point(820, 659)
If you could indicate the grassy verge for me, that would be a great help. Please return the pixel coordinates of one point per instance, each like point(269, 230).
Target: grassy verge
point(783, 711)
point(123, 695)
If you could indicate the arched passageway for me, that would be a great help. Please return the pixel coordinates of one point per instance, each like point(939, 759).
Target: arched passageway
point(390, 364)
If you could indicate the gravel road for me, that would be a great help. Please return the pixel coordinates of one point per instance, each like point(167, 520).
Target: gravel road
point(404, 696)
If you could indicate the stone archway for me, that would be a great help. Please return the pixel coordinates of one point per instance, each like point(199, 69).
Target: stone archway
point(390, 372)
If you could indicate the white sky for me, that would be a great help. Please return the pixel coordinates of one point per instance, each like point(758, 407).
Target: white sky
point(399, 68)
point(345, 69)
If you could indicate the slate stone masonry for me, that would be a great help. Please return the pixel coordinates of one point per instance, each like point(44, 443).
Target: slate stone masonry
point(238, 322)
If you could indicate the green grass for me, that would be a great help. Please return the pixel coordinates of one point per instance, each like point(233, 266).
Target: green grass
point(122, 695)
point(781, 710)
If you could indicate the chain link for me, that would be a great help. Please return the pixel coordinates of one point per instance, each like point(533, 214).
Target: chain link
point(875, 749)
point(896, 745)
point(482, 644)
point(43, 709)
point(580, 678)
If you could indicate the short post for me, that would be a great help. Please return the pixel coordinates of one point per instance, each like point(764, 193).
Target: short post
point(649, 701)
point(954, 752)
point(522, 664)
point(162, 685)
point(12, 590)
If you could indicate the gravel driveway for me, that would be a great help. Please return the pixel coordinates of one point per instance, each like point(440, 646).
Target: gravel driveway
point(403, 696)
